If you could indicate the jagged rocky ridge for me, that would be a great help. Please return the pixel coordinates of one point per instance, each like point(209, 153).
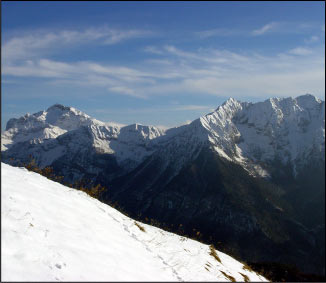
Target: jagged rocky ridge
point(247, 175)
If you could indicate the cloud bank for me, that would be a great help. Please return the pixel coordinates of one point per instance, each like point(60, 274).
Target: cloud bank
point(167, 69)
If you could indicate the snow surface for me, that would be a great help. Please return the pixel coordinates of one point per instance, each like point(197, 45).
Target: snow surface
point(54, 233)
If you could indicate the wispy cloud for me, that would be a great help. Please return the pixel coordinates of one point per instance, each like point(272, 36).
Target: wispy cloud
point(125, 90)
point(219, 32)
point(312, 39)
point(152, 49)
point(307, 28)
point(167, 69)
point(206, 71)
point(301, 51)
point(225, 73)
point(266, 28)
point(271, 27)
point(42, 42)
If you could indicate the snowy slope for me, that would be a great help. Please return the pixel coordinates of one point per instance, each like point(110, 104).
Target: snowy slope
point(52, 232)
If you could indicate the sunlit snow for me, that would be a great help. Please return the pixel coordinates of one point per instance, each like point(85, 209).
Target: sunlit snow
point(54, 233)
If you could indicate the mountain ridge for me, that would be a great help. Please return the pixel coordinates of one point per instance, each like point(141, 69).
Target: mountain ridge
point(235, 129)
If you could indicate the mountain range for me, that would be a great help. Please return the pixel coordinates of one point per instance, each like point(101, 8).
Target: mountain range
point(248, 177)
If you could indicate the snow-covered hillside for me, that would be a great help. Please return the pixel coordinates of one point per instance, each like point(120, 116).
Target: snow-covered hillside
point(54, 233)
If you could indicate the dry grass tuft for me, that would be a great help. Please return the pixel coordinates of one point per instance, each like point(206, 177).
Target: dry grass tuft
point(246, 267)
point(141, 228)
point(231, 278)
point(214, 254)
point(245, 277)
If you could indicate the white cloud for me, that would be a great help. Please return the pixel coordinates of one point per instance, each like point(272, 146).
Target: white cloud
point(312, 39)
point(159, 61)
point(275, 27)
point(152, 49)
point(261, 85)
point(177, 71)
point(219, 32)
point(266, 28)
point(175, 51)
point(125, 90)
point(35, 43)
point(301, 51)
point(307, 28)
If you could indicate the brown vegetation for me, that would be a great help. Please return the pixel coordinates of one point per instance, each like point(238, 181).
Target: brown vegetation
point(82, 185)
point(141, 228)
point(245, 277)
point(246, 267)
point(231, 278)
point(214, 254)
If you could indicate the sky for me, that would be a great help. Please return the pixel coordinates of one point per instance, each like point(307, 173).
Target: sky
point(157, 63)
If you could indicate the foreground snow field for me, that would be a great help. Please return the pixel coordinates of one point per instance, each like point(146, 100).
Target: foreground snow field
point(54, 233)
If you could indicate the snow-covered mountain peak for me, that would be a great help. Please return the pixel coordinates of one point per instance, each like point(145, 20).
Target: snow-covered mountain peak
point(229, 108)
point(65, 109)
point(58, 106)
point(283, 110)
point(285, 128)
point(230, 102)
point(66, 117)
point(54, 115)
point(308, 99)
point(49, 124)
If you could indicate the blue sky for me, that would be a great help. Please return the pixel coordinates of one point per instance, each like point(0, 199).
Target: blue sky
point(157, 63)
